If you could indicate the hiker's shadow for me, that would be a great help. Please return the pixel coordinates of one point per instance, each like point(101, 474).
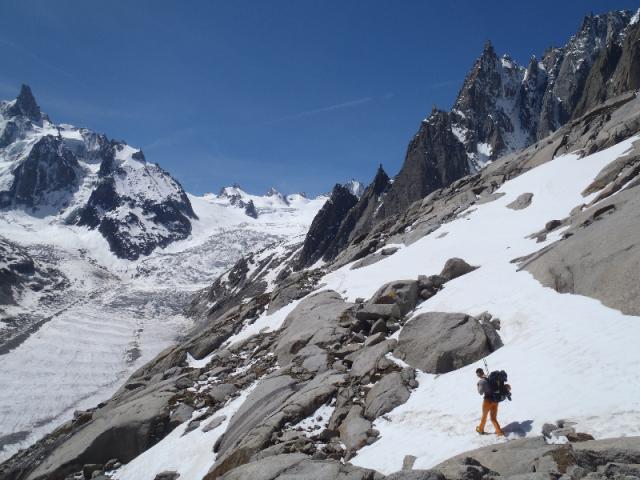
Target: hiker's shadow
point(520, 429)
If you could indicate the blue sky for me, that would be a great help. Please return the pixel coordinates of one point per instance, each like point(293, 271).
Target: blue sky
point(297, 94)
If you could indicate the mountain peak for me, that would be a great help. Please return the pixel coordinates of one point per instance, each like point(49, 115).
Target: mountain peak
point(26, 105)
point(488, 49)
point(355, 187)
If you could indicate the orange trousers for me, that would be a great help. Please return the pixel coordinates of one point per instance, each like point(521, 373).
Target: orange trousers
point(490, 408)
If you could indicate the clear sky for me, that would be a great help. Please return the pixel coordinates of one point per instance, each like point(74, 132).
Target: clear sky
point(297, 94)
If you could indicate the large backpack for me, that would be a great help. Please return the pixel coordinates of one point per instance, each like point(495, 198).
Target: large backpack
point(498, 386)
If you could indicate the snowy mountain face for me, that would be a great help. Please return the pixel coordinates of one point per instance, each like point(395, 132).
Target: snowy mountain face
point(74, 176)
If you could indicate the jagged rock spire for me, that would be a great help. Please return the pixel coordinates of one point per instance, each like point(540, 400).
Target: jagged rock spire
point(26, 104)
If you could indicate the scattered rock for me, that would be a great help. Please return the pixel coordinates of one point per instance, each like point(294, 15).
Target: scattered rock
point(417, 475)
point(89, 469)
point(437, 342)
point(373, 311)
point(167, 476)
point(456, 267)
point(353, 430)
point(408, 461)
point(220, 393)
point(385, 395)
point(181, 414)
point(403, 293)
point(522, 202)
point(552, 225)
point(374, 339)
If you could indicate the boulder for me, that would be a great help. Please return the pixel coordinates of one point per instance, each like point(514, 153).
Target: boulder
point(221, 392)
point(403, 293)
point(380, 326)
point(121, 430)
point(374, 339)
point(372, 311)
point(214, 423)
point(385, 395)
point(167, 476)
point(512, 458)
point(353, 430)
point(522, 202)
point(456, 267)
point(416, 475)
point(181, 414)
point(366, 359)
point(313, 322)
point(438, 342)
point(267, 468)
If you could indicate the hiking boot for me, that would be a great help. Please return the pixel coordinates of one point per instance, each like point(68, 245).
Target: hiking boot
point(481, 432)
point(500, 434)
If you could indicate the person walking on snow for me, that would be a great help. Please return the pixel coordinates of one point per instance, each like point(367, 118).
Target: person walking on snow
point(489, 405)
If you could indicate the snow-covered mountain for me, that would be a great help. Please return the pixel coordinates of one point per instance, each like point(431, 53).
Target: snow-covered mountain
point(75, 176)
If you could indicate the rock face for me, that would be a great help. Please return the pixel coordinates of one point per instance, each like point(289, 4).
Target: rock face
point(435, 158)
point(48, 176)
point(80, 177)
point(599, 459)
point(586, 262)
point(20, 272)
point(437, 342)
point(326, 225)
point(361, 216)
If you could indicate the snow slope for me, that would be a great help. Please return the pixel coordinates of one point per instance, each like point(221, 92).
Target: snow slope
point(568, 356)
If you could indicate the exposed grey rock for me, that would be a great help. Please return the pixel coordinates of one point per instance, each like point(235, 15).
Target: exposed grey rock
point(294, 287)
point(438, 342)
point(353, 430)
point(589, 263)
point(365, 360)
point(325, 226)
point(403, 293)
point(380, 326)
point(221, 392)
point(512, 458)
point(313, 322)
point(522, 202)
point(385, 395)
point(167, 475)
point(408, 461)
point(214, 423)
point(181, 414)
point(456, 267)
point(359, 219)
point(416, 475)
point(374, 339)
point(265, 469)
point(139, 420)
point(374, 311)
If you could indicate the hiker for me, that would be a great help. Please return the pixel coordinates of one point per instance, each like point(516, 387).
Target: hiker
point(489, 404)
